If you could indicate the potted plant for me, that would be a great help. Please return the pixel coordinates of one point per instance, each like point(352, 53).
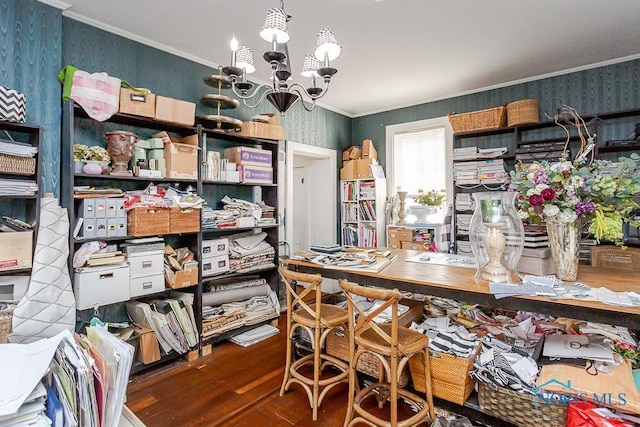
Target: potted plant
point(428, 203)
point(90, 160)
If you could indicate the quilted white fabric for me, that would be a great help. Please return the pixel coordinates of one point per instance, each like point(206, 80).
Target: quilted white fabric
point(49, 306)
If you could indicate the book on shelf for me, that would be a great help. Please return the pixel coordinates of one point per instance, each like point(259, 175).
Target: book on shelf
point(113, 259)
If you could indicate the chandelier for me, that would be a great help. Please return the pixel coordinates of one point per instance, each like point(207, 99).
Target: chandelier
point(281, 93)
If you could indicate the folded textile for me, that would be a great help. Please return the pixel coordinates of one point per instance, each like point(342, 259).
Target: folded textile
point(233, 295)
point(98, 93)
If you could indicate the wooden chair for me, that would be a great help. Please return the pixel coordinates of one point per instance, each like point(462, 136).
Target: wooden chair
point(393, 346)
point(305, 310)
point(609, 256)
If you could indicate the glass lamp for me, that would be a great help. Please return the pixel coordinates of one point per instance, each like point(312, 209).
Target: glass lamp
point(496, 235)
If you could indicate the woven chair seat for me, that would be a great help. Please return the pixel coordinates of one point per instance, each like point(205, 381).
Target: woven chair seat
point(331, 316)
point(408, 339)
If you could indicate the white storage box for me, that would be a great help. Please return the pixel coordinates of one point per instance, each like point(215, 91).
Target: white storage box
point(145, 264)
point(13, 288)
point(97, 286)
point(215, 265)
point(215, 247)
point(146, 285)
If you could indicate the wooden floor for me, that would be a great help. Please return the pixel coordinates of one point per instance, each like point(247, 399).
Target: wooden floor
point(233, 386)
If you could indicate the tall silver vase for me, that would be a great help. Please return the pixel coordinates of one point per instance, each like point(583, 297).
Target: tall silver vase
point(564, 240)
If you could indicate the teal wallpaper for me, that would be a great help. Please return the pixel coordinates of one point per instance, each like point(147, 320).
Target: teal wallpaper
point(30, 58)
point(608, 88)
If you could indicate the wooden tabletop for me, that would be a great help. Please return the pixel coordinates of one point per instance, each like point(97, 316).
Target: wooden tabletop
point(459, 283)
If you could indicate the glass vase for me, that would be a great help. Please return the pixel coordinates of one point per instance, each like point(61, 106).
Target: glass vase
point(496, 235)
point(564, 240)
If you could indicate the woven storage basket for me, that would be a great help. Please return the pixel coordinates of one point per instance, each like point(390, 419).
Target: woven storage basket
point(16, 165)
point(147, 221)
point(450, 378)
point(523, 410)
point(523, 112)
point(184, 220)
point(608, 256)
point(337, 345)
point(6, 318)
point(491, 118)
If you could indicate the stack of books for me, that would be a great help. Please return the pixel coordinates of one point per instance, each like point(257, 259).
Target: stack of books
point(536, 240)
point(465, 153)
point(464, 202)
point(492, 172)
point(105, 258)
point(466, 173)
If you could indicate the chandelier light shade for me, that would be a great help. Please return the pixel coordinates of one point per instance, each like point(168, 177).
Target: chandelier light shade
point(281, 92)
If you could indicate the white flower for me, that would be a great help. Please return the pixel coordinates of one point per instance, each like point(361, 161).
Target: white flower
point(566, 216)
point(550, 211)
point(536, 190)
point(561, 166)
point(523, 215)
point(576, 181)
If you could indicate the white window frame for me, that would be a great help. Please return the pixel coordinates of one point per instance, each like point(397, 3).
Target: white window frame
point(420, 125)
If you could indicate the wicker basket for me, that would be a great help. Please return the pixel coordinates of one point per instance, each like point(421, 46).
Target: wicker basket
point(147, 221)
point(6, 319)
point(491, 118)
point(184, 220)
point(450, 378)
point(608, 256)
point(521, 409)
point(16, 165)
point(523, 112)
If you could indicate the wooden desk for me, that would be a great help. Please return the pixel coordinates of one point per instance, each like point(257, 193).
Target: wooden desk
point(458, 283)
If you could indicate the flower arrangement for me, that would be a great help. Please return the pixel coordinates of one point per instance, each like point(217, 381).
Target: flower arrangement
point(431, 198)
point(601, 193)
point(83, 153)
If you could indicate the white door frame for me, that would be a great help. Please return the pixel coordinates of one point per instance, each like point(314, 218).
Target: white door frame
point(297, 149)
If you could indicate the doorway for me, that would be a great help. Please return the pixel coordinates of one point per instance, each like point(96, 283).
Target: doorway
point(310, 196)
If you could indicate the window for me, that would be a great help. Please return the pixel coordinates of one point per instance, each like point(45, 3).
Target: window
point(419, 156)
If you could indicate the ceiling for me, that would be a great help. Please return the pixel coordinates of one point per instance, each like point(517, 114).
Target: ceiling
point(396, 53)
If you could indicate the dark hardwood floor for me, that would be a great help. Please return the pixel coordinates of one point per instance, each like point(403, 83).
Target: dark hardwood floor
point(232, 386)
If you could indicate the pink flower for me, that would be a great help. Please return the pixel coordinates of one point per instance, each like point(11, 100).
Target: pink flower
point(536, 200)
point(548, 194)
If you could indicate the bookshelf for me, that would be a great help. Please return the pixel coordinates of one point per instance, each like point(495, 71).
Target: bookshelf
point(362, 205)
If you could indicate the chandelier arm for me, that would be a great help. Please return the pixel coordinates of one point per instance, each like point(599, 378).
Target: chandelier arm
point(302, 101)
point(304, 90)
point(262, 97)
point(252, 94)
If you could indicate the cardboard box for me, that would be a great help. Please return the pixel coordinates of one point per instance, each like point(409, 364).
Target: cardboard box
point(352, 153)
point(182, 161)
point(98, 286)
point(137, 103)
point(368, 150)
point(357, 169)
point(249, 156)
point(181, 279)
point(271, 130)
point(16, 250)
point(175, 111)
point(255, 174)
point(148, 347)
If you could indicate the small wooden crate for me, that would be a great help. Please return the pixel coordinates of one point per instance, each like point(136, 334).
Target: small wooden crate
point(490, 118)
point(147, 221)
point(184, 220)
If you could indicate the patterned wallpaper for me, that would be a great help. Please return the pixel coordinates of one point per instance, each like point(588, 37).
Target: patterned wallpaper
point(30, 58)
point(609, 88)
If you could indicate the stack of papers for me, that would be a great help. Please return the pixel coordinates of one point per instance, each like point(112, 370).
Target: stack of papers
point(19, 149)
point(255, 335)
point(18, 187)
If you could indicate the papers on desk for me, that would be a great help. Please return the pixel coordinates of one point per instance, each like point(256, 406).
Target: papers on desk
point(440, 258)
point(371, 261)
